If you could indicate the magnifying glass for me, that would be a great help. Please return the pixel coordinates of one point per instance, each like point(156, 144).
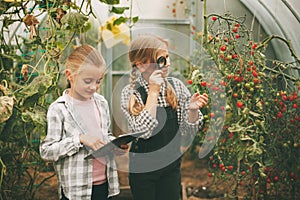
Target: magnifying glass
point(161, 62)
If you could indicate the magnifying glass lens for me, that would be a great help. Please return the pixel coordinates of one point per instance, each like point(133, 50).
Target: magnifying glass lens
point(161, 62)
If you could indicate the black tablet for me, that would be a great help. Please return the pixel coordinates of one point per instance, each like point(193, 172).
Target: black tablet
point(117, 142)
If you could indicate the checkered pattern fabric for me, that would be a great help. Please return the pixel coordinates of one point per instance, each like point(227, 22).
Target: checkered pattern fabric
point(144, 121)
point(62, 147)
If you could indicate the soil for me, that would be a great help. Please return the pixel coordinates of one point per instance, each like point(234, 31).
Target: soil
point(195, 183)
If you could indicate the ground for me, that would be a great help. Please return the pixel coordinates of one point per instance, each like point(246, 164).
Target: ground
point(197, 185)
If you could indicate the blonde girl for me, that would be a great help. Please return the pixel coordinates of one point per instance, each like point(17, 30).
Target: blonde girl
point(163, 107)
point(78, 122)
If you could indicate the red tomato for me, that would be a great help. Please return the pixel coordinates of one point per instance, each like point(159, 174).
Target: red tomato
point(234, 56)
point(292, 175)
point(284, 97)
point(203, 83)
point(239, 104)
point(223, 48)
point(255, 74)
point(230, 167)
point(254, 46)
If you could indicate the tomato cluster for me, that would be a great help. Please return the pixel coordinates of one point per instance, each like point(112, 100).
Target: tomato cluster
point(259, 143)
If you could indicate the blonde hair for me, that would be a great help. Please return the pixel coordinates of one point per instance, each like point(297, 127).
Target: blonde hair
point(143, 49)
point(84, 55)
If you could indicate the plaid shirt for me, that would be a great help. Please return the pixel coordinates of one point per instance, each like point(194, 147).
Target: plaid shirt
point(62, 146)
point(144, 121)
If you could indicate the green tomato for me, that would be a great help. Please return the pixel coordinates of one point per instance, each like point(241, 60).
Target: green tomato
point(247, 85)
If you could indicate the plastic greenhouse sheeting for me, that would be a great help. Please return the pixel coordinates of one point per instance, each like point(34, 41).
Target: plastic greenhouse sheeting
point(278, 17)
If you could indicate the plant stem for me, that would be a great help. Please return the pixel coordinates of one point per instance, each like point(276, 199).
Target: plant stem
point(287, 42)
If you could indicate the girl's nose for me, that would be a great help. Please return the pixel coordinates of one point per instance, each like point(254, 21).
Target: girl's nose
point(93, 86)
point(168, 62)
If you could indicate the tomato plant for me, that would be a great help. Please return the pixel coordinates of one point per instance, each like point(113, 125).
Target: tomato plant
point(259, 143)
point(30, 68)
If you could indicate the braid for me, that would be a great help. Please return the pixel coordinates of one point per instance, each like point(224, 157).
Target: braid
point(133, 76)
point(171, 96)
point(133, 106)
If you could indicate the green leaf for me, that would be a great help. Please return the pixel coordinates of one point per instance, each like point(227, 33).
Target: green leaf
point(240, 152)
point(87, 27)
point(74, 21)
point(247, 138)
point(235, 128)
point(38, 86)
point(135, 19)
point(268, 162)
point(119, 10)
point(110, 2)
point(119, 21)
point(6, 107)
point(37, 116)
point(108, 26)
point(254, 114)
point(261, 139)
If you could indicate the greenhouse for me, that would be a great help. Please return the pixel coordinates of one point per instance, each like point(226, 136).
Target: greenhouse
point(223, 77)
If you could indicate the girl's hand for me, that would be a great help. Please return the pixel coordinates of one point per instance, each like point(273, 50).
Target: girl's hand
point(198, 101)
point(122, 150)
point(156, 80)
point(91, 141)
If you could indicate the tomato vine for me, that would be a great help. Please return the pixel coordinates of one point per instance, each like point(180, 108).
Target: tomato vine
point(258, 147)
point(30, 70)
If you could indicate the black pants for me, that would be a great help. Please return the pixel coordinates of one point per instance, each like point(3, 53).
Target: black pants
point(99, 192)
point(163, 184)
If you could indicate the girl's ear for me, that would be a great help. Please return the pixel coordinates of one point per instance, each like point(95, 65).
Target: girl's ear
point(68, 74)
point(140, 67)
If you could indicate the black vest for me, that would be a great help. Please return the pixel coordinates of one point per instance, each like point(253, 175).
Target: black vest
point(165, 131)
